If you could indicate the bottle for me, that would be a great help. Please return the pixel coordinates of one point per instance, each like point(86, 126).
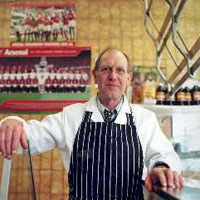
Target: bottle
point(188, 96)
point(160, 94)
point(180, 97)
point(196, 95)
point(169, 99)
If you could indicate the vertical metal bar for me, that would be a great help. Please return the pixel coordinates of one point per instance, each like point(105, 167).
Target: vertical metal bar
point(5, 179)
point(30, 166)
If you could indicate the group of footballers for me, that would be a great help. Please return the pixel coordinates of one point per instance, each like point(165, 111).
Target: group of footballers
point(41, 79)
point(45, 25)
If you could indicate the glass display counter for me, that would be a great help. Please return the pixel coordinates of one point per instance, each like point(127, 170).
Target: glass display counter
point(181, 124)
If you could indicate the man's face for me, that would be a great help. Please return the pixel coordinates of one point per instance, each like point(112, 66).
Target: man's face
point(112, 76)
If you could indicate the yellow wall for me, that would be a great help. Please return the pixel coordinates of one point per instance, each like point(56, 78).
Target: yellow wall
point(119, 23)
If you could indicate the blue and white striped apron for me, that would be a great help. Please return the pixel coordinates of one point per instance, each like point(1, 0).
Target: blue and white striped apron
point(106, 161)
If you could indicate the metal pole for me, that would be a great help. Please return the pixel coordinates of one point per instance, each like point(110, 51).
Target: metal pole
point(5, 179)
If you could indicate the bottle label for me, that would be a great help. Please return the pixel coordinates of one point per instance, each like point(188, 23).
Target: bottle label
point(180, 96)
point(188, 96)
point(160, 96)
point(197, 96)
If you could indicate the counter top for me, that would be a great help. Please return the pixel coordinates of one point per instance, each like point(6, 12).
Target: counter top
point(169, 193)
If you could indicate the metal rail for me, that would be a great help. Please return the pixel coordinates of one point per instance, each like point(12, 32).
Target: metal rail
point(6, 175)
point(5, 179)
point(170, 28)
point(192, 52)
point(176, 36)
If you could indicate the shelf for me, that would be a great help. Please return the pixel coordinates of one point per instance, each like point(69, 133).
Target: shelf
point(171, 110)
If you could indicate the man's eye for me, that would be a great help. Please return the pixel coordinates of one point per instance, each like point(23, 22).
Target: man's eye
point(105, 69)
point(120, 70)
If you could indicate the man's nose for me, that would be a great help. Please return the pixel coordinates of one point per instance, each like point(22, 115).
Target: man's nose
point(113, 74)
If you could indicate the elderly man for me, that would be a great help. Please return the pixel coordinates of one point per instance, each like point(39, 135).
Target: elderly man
point(107, 145)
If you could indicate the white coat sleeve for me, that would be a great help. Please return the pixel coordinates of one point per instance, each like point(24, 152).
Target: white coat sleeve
point(43, 135)
point(46, 134)
point(56, 130)
point(158, 147)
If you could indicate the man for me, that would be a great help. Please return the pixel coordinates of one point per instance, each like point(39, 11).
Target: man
point(103, 152)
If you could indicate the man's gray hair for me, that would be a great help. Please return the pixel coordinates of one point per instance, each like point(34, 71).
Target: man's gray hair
point(97, 63)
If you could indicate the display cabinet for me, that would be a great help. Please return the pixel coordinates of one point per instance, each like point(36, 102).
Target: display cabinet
point(181, 124)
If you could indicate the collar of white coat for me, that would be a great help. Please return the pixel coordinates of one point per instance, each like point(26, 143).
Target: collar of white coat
point(97, 117)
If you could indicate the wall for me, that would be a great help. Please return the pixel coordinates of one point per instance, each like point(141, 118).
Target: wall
point(119, 23)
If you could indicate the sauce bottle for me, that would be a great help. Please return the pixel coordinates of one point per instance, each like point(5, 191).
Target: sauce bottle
point(180, 97)
point(188, 96)
point(196, 95)
point(160, 95)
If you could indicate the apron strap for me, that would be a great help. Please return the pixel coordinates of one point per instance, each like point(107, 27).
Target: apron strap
point(130, 118)
point(87, 116)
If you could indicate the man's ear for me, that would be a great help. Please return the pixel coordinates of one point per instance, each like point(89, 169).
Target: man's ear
point(94, 75)
point(129, 77)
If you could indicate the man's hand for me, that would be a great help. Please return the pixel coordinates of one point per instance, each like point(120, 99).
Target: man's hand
point(11, 134)
point(163, 177)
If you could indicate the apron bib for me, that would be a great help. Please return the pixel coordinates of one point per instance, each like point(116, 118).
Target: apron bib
point(106, 161)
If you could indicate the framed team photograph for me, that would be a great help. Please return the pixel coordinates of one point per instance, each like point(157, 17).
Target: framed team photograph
point(44, 78)
point(40, 24)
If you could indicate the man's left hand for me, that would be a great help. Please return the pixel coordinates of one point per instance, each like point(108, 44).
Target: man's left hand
point(163, 177)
